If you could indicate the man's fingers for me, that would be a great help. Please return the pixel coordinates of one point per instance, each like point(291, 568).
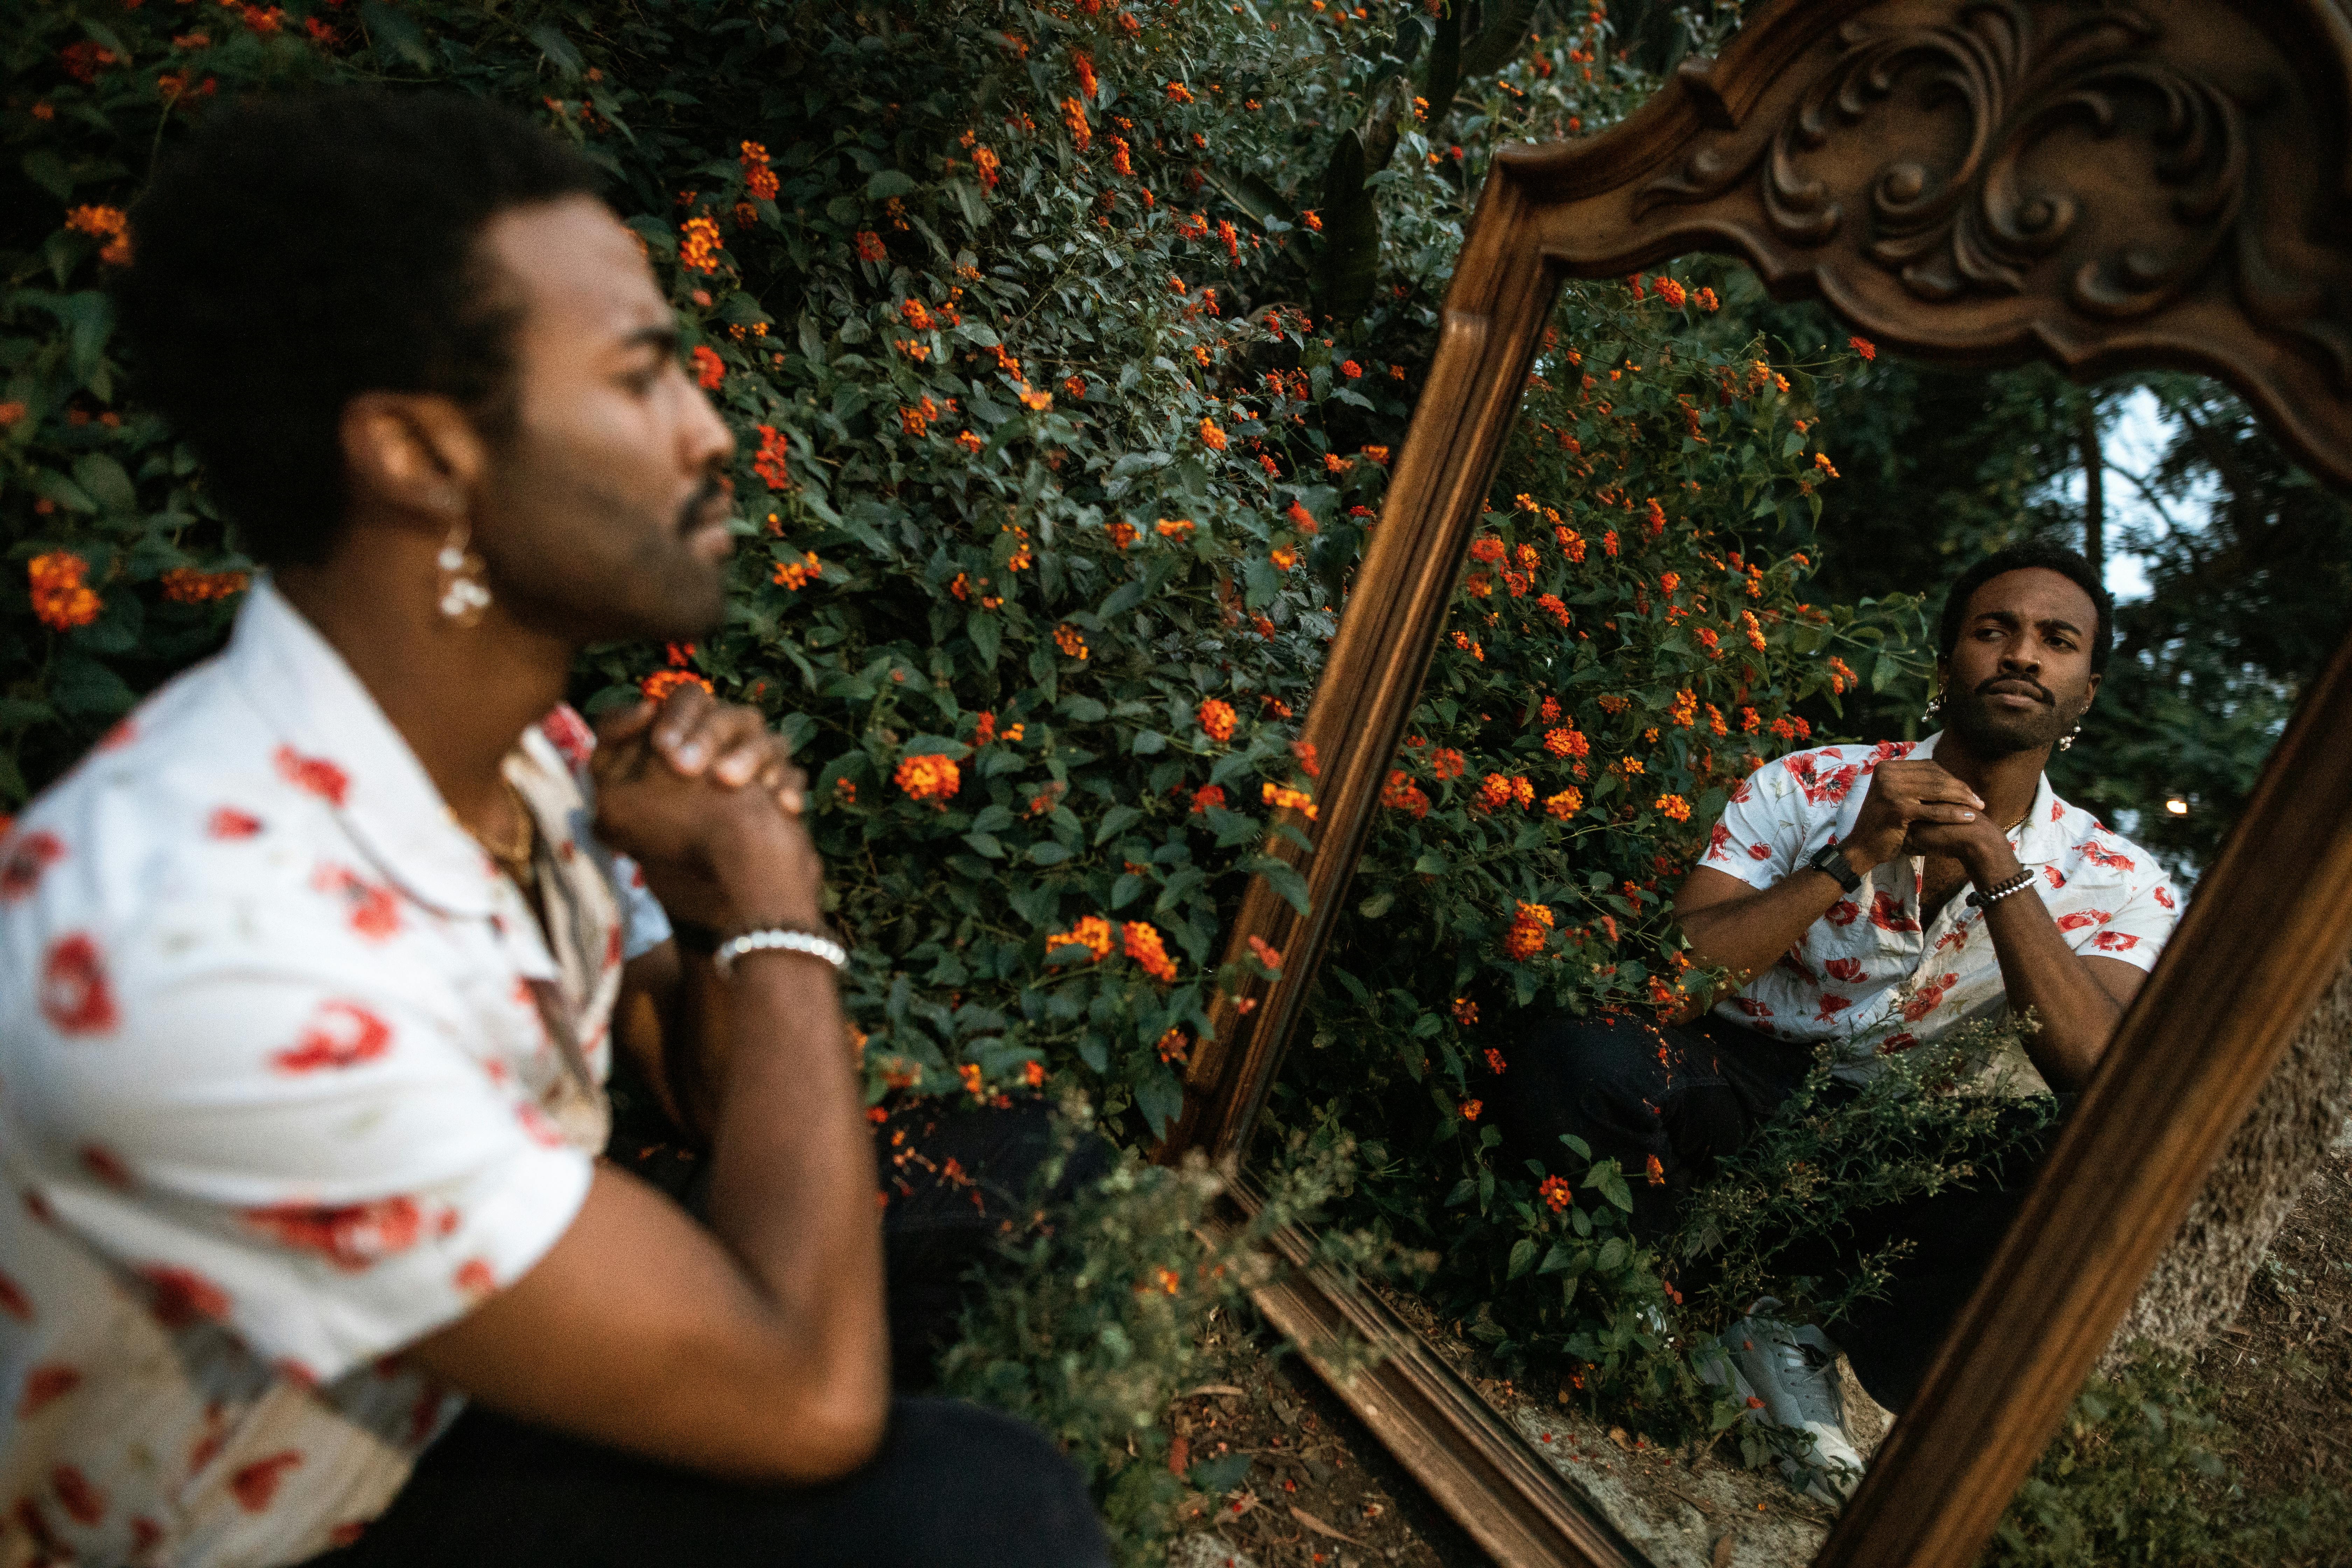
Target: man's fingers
point(623, 722)
point(1940, 811)
point(682, 712)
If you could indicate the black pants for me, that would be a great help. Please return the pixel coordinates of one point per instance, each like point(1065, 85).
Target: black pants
point(954, 1485)
point(1684, 1095)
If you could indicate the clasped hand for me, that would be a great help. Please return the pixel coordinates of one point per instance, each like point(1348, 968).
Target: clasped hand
point(1917, 808)
point(708, 801)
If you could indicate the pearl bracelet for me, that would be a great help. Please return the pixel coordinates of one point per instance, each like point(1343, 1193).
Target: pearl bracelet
point(778, 939)
point(2016, 884)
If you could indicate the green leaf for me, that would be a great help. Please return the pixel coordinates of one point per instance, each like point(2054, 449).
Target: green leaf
point(1116, 821)
point(49, 171)
point(1614, 1253)
point(1160, 1099)
point(557, 48)
point(889, 182)
point(1047, 853)
point(79, 684)
point(1148, 743)
point(987, 632)
point(1284, 879)
point(396, 34)
point(1612, 1182)
point(1560, 1255)
point(1379, 904)
point(1523, 1256)
point(1220, 1474)
point(987, 844)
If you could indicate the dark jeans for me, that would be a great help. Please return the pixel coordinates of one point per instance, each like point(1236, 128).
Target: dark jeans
point(954, 1485)
point(1684, 1096)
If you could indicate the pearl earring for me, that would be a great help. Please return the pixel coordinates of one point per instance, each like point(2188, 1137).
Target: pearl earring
point(2066, 741)
point(463, 598)
point(1935, 706)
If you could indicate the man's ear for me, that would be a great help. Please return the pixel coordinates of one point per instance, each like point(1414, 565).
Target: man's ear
point(411, 453)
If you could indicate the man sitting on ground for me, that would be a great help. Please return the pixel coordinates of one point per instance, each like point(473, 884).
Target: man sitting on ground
point(1867, 900)
point(307, 972)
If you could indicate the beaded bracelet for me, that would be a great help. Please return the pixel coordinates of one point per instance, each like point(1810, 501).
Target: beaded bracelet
point(2016, 884)
point(778, 939)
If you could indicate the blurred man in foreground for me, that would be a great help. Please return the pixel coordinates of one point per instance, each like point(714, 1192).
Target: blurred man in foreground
point(308, 973)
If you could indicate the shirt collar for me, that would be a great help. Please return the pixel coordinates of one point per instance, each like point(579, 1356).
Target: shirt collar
point(2038, 840)
point(322, 714)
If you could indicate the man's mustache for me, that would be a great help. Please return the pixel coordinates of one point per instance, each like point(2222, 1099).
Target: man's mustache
point(2041, 693)
point(713, 488)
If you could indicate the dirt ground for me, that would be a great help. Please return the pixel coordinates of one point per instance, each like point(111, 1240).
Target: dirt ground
point(1323, 1492)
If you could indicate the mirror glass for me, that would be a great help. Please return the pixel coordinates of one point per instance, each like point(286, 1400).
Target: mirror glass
point(1667, 1218)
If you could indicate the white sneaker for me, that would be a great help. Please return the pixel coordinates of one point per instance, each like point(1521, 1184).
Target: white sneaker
point(1792, 1372)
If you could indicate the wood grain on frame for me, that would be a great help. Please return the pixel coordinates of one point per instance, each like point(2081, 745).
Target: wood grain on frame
point(2106, 185)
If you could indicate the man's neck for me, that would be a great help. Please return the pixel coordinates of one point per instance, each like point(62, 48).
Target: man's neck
point(2005, 783)
point(460, 696)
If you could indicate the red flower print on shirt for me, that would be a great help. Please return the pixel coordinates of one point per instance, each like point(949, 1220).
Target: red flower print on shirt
point(340, 1034)
point(613, 948)
point(2057, 810)
point(229, 822)
point(352, 1236)
point(2099, 854)
point(1845, 969)
point(1760, 852)
point(1716, 840)
point(316, 774)
point(1887, 913)
point(1831, 1007)
point(256, 1483)
point(29, 856)
point(123, 732)
point(14, 1301)
point(347, 1534)
point(180, 1298)
point(1752, 1007)
point(45, 1384)
point(1805, 770)
point(1793, 961)
point(1844, 912)
point(569, 733)
point(75, 995)
point(2057, 878)
point(373, 909)
point(536, 1124)
point(2115, 940)
point(1740, 792)
point(83, 1503)
point(2164, 897)
point(1893, 1043)
point(107, 1166)
point(475, 1280)
point(1927, 998)
point(1887, 752)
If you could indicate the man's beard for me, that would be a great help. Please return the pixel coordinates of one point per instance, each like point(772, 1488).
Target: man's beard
point(1994, 732)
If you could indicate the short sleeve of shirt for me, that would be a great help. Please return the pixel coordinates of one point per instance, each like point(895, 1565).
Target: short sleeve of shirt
point(313, 1154)
point(2136, 933)
point(1761, 835)
point(645, 925)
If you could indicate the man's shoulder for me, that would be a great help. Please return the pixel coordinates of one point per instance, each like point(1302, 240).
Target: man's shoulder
point(189, 810)
point(2100, 848)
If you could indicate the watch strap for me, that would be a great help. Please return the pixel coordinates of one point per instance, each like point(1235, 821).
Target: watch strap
point(1830, 860)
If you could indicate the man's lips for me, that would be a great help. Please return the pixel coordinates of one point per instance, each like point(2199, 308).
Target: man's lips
point(2014, 690)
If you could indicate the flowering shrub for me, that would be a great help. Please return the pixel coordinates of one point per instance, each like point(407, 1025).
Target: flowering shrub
point(1066, 349)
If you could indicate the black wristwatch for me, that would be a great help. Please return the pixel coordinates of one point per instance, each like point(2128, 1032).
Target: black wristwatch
point(1831, 861)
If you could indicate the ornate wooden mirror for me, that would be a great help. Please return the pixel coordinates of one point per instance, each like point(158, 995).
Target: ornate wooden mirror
point(2103, 186)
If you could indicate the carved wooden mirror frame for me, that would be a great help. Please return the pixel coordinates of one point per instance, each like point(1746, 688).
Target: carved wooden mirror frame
point(2110, 186)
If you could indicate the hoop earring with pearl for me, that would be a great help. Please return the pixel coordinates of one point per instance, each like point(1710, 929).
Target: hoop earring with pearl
point(463, 598)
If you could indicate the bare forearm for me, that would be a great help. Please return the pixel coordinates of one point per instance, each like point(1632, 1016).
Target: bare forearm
point(2038, 970)
point(792, 1179)
point(1748, 934)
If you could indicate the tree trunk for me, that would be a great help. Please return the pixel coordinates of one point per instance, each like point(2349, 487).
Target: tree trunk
point(2200, 1281)
point(2094, 497)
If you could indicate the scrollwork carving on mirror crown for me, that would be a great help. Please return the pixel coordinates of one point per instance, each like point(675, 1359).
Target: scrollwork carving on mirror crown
point(2120, 180)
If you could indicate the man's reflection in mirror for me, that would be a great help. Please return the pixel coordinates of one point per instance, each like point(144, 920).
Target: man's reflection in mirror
point(1864, 899)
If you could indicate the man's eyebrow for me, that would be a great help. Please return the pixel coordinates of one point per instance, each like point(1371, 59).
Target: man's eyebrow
point(661, 336)
point(2058, 623)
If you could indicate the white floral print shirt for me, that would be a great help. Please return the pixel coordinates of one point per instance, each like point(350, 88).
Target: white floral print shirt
point(289, 1078)
point(1874, 973)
